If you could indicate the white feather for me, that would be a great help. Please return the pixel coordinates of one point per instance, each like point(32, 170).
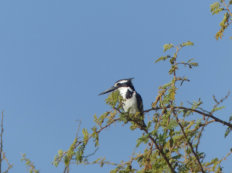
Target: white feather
point(131, 103)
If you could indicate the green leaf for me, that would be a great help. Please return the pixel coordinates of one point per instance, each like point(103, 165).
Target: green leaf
point(85, 136)
point(29, 164)
point(149, 124)
point(195, 64)
point(218, 108)
point(224, 21)
point(95, 119)
point(95, 136)
point(101, 119)
point(188, 43)
point(66, 160)
point(230, 119)
point(219, 34)
point(162, 138)
point(60, 153)
point(113, 98)
point(79, 153)
point(162, 58)
point(165, 86)
point(167, 47)
point(172, 60)
point(214, 7)
point(172, 124)
point(216, 11)
point(173, 68)
point(228, 130)
point(143, 139)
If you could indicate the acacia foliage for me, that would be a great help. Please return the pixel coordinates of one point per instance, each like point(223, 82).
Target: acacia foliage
point(30, 165)
point(222, 7)
point(171, 137)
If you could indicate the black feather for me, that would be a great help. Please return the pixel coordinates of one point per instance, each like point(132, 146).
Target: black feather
point(129, 94)
point(139, 102)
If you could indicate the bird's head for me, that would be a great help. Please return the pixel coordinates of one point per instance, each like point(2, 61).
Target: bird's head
point(123, 83)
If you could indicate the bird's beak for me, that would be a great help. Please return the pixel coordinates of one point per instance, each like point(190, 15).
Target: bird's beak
point(109, 90)
point(130, 78)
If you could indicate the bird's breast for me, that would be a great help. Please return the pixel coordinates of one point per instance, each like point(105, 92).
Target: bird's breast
point(130, 104)
point(129, 99)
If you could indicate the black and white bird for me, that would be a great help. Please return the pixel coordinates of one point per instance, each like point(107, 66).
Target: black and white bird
point(132, 101)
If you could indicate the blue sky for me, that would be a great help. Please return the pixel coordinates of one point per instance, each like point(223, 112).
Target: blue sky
point(56, 56)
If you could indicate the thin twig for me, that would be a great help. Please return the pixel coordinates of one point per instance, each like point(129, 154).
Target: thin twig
point(1, 145)
point(9, 166)
point(227, 8)
point(114, 120)
point(201, 131)
point(163, 154)
point(205, 114)
point(193, 110)
point(220, 101)
point(160, 150)
point(188, 141)
point(158, 147)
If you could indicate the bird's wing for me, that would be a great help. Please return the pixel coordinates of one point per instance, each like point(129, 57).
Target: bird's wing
point(139, 102)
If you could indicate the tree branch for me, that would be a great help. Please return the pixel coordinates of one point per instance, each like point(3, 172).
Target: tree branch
point(160, 150)
point(1, 145)
point(189, 143)
point(227, 8)
point(144, 128)
point(193, 110)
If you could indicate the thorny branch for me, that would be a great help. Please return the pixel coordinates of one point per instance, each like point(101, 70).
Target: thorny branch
point(227, 8)
point(177, 119)
point(79, 142)
point(9, 165)
point(207, 120)
point(201, 131)
point(102, 128)
point(189, 143)
point(174, 110)
point(192, 110)
point(161, 151)
point(144, 128)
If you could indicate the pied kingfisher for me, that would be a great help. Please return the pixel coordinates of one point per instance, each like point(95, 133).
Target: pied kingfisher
point(132, 101)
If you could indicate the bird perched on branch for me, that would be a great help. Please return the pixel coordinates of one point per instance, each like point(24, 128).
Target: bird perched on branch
point(132, 101)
